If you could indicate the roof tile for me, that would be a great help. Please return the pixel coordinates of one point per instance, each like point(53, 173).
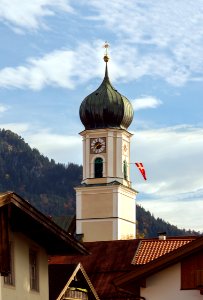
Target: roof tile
point(149, 250)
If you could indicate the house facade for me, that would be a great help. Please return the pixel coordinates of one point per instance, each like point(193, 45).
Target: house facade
point(168, 269)
point(28, 276)
point(167, 284)
point(27, 238)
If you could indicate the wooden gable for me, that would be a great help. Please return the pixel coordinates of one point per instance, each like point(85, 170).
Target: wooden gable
point(20, 216)
point(71, 282)
point(107, 260)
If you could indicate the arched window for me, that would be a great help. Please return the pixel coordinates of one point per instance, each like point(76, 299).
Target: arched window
point(98, 167)
point(125, 170)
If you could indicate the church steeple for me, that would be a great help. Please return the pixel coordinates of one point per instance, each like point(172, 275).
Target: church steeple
point(106, 107)
point(105, 201)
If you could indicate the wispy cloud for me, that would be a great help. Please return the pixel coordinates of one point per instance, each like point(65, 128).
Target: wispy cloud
point(158, 39)
point(57, 146)
point(170, 32)
point(22, 14)
point(63, 68)
point(145, 103)
point(3, 108)
point(171, 169)
point(70, 68)
point(173, 160)
point(184, 214)
point(37, 73)
point(19, 128)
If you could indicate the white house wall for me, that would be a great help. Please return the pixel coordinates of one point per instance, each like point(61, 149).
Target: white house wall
point(166, 285)
point(21, 290)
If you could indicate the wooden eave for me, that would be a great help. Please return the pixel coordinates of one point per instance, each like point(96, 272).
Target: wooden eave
point(23, 217)
point(108, 260)
point(141, 272)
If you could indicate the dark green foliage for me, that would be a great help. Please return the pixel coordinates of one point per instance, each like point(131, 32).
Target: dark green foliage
point(45, 184)
point(49, 186)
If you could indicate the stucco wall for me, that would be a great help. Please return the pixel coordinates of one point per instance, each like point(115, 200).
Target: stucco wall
point(166, 285)
point(21, 290)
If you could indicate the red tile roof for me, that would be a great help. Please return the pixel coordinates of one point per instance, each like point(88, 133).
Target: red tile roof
point(149, 250)
point(111, 259)
point(129, 280)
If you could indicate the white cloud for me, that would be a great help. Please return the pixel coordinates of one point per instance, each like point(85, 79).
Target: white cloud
point(3, 108)
point(184, 214)
point(173, 161)
point(19, 128)
point(167, 34)
point(62, 148)
point(30, 14)
point(145, 102)
point(63, 68)
point(69, 68)
point(154, 38)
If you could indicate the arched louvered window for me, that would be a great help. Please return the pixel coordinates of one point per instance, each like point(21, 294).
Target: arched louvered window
point(98, 167)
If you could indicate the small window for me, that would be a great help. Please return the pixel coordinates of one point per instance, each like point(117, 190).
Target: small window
point(34, 270)
point(125, 166)
point(98, 167)
point(10, 279)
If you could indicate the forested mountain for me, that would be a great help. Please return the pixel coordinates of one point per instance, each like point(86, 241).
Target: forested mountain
point(49, 186)
point(45, 184)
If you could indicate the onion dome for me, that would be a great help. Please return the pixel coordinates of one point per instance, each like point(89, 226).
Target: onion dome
point(106, 107)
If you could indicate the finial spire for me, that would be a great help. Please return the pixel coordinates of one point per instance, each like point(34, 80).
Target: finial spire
point(106, 57)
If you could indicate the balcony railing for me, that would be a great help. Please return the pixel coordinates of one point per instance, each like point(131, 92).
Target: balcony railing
point(75, 293)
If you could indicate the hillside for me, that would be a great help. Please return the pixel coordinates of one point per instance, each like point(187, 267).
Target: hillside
point(49, 186)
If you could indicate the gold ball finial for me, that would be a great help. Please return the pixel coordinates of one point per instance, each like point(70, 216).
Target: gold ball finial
point(106, 57)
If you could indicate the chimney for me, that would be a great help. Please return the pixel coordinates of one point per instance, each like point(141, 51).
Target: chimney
point(162, 236)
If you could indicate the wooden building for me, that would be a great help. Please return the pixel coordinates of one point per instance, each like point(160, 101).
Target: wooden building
point(27, 238)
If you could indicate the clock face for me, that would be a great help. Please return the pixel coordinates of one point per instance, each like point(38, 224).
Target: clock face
point(97, 145)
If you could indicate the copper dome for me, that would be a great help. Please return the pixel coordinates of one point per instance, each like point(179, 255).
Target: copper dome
point(106, 108)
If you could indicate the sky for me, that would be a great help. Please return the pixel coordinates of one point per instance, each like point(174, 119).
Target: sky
point(51, 58)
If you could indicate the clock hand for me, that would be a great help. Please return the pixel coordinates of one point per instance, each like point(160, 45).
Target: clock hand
point(98, 146)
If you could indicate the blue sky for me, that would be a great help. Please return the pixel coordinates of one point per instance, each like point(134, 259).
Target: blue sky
point(51, 58)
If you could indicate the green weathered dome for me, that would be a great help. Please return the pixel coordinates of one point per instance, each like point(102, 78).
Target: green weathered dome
point(106, 108)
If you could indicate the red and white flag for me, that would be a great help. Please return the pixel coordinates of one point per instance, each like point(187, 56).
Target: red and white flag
point(142, 170)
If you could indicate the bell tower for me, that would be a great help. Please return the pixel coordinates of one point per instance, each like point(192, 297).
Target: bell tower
point(105, 201)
